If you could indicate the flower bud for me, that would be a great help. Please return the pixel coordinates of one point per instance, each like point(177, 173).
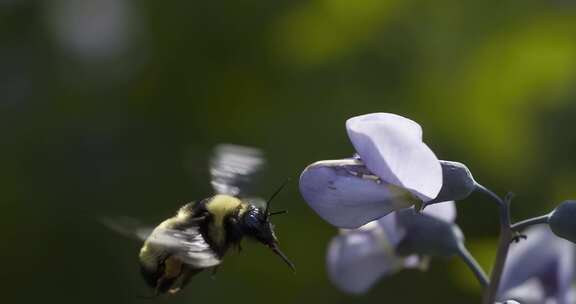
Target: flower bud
point(428, 235)
point(457, 182)
point(562, 221)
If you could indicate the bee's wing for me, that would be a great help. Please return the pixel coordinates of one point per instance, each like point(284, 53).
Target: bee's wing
point(128, 227)
point(189, 244)
point(233, 167)
point(256, 201)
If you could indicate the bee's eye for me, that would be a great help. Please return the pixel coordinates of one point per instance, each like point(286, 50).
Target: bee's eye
point(252, 220)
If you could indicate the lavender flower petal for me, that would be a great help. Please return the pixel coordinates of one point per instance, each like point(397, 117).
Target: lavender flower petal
point(542, 257)
point(391, 146)
point(358, 258)
point(445, 211)
point(345, 194)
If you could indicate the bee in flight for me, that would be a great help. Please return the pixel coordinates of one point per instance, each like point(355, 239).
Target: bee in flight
point(201, 233)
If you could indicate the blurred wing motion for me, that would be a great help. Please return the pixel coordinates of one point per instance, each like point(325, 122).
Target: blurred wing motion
point(233, 167)
point(128, 227)
point(188, 245)
point(256, 201)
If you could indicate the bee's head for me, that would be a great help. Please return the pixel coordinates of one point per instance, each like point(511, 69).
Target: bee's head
point(256, 224)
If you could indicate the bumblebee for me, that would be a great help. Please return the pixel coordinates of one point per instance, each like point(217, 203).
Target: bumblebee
point(201, 233)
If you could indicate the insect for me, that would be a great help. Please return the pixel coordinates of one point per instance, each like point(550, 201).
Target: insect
point(201, 233)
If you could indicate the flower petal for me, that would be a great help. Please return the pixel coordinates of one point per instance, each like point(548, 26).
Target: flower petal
point(542, 256)
point(345, 194)
point(445, 211)
point(530, 292)
point(427, 235)
point(457, 182)
point(391, 146)
point(389, 224)
point(561, 220)
point(357, 258)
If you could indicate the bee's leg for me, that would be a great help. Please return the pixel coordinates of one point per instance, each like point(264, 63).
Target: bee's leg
point(214, 271)
point(187, 275)
point(239, 246)
point(179, 281)
point(160, 287)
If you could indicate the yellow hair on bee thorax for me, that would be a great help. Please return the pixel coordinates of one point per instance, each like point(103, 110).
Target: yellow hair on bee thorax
point(219, 207)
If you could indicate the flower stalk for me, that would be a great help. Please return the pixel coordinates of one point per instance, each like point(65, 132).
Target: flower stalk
point(506, 237)
point(476, 269)
point(543, 219)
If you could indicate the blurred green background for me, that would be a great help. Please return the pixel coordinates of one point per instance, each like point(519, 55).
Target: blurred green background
point(111, 107)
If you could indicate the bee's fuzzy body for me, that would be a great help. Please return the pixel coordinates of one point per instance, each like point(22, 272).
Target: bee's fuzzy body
point(201, 233)
point(222, 228)
point(220, 221)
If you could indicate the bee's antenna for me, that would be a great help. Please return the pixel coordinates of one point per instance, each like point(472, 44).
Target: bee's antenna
point(267, 211)
point(278, 212)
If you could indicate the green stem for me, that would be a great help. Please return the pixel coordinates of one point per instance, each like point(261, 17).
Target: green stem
point(467, 257)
